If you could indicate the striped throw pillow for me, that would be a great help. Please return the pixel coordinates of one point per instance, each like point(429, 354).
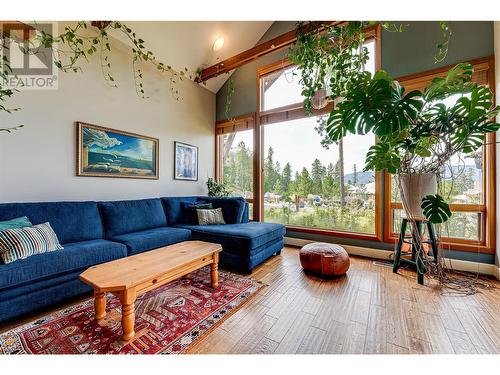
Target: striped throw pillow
point(23, 242)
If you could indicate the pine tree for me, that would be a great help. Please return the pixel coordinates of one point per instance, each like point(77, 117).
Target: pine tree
point(286, 178)
point(269, 175)
point(316, 177)
point(305, 183)
point(355, 177)
point(326, 142)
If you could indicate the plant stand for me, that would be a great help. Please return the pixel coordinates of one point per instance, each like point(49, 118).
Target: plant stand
point(417, 250)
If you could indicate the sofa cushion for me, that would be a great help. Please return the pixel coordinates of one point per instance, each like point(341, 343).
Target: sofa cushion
point(120, 217)
point(72, 221)
point(74, 256)
point(138, 242)
point(240, 238)
point(174, 209)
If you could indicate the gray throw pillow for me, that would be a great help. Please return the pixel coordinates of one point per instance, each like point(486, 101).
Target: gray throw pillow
point(210, 217)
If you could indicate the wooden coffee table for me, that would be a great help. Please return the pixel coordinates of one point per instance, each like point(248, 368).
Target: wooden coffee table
point(129, 277)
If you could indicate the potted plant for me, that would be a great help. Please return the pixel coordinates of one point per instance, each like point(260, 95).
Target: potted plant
point(417, 134)
point(216, 189)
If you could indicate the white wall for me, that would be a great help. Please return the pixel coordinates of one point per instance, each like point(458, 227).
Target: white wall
point(37, 162)
point(497, 90)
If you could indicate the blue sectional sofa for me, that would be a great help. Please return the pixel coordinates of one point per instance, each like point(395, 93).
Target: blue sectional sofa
point(98, 232)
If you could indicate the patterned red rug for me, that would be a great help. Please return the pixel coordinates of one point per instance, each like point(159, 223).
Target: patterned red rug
point(168, 320)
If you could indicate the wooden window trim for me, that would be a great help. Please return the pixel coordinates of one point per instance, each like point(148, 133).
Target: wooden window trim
point(487, 243)
point(296, 111)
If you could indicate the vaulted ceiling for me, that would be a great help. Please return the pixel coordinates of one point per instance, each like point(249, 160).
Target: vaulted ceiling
point(189, 44)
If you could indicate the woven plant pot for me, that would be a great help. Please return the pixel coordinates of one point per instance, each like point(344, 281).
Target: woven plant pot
point(413, 187)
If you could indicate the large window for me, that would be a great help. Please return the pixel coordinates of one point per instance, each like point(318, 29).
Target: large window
point(309, 183)
point(467, 182)
point(237, 163)
point(235, 156)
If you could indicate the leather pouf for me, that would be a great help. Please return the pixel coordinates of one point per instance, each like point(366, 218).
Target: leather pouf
point(323, 258)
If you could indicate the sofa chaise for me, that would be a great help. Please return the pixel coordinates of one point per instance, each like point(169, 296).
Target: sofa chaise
point(98, 232)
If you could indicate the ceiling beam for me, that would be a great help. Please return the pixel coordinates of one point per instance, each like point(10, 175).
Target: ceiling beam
point(260, 50)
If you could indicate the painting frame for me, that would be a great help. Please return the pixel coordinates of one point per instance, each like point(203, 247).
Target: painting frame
point(177, 174)
point(80, 169)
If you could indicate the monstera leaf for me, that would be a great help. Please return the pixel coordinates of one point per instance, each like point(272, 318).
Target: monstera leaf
point(473, 118)
point(481, 99)
point(382, 156)
point(363, 104)
point(457, 80)
point(335, 126)
point(435, 209)
point(400, 112)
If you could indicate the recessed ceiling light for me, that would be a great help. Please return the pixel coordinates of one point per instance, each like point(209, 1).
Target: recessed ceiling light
point(219, 42)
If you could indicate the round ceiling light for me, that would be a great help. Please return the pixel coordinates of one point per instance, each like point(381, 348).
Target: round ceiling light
point(219, 43)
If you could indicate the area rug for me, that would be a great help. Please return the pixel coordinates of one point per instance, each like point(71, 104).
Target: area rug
point(168, 320)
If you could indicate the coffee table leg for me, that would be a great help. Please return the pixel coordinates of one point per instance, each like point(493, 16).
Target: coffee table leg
point(127, 298)
point(214, 267)
point(99, 305)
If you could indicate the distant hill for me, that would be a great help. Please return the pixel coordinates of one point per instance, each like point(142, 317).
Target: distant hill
point(363, 178)
point(367, 177)
point(457, 170)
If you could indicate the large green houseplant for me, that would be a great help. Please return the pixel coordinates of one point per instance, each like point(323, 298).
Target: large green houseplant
point(417, 134)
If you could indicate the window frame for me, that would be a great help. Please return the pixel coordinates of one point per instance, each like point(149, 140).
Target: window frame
point(234, 125)
point(296, 111)
point(487, 243)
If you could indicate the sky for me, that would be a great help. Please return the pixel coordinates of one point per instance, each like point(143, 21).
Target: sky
point(126, 145)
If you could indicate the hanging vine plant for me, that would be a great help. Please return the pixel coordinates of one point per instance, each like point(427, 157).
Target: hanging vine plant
point(84, 40)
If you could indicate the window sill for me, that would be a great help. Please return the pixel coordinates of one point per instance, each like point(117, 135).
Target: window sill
point(334, 233)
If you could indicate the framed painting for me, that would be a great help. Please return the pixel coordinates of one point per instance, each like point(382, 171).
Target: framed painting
point(185, 162)
point(104, 152)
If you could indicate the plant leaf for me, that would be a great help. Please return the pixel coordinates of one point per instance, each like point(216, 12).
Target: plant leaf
point(457, 80)
point(435, 209)
point(382, 156)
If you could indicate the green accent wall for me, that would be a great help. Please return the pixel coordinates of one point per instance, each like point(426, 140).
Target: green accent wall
point(411, 51)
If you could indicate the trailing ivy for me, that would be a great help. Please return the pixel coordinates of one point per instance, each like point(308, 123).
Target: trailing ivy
point(79, 43)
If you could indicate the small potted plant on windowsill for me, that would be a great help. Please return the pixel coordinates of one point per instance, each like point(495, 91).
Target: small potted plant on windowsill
point(417, 134)
point(216, 189)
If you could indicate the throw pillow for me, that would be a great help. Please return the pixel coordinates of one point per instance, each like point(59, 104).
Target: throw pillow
point(210, 217)
point(21, 243)
point(19, 222)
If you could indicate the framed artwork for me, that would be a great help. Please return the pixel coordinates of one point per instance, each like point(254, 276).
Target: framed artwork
point(104, 152)
point(186, 162)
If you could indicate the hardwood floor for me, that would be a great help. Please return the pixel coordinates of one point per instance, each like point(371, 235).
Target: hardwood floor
point(371, 310)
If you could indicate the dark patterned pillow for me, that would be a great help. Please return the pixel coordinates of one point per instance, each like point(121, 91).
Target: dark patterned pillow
point(191, 210)
point(23, 242)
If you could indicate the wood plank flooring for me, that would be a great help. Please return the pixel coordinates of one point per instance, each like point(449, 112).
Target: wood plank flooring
point(371, 310)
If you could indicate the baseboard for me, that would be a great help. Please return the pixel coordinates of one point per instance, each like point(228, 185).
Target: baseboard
point(456, 264)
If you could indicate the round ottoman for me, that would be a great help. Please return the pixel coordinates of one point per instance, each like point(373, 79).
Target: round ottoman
point(323, 258)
